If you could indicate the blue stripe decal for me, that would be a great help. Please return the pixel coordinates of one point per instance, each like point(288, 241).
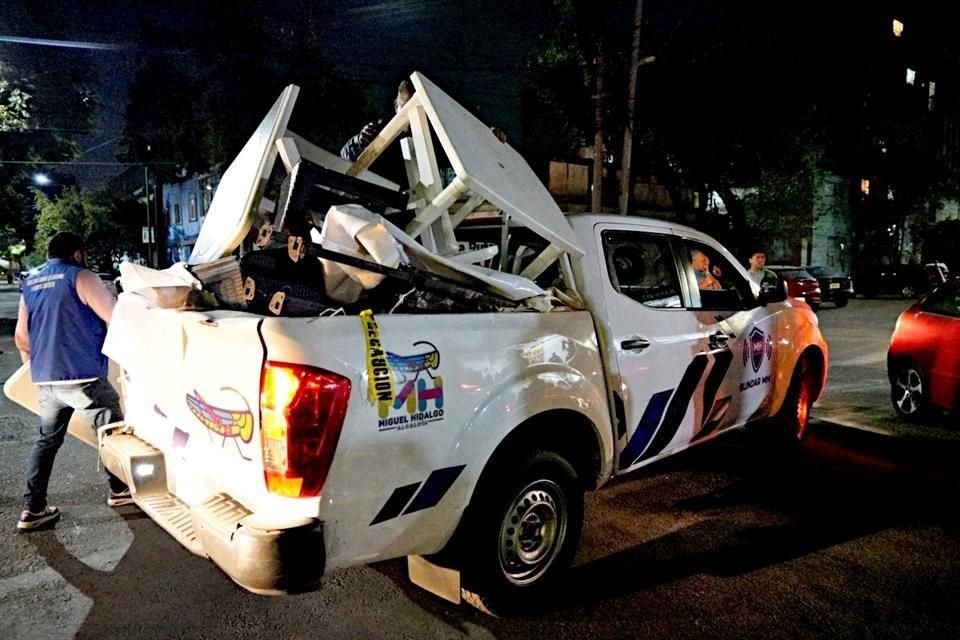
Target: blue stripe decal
point(433, 490)
point(678, 407)
point(721, 364)
point(395, 503)
point(645, 429)
point(714, 417)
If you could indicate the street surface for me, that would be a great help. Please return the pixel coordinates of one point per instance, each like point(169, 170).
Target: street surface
point(860, 538)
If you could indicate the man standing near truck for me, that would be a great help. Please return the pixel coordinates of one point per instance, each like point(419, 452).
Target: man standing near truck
point(61, 325)
point(758, 271)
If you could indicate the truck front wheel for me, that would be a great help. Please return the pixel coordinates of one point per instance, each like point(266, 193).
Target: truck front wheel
point(525, 527)
point(794, 417)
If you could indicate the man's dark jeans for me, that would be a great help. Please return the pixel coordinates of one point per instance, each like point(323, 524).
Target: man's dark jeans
point(96, 401)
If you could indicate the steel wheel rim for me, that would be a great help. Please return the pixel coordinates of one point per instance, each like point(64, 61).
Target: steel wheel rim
point(532, 532)
point(910, 387)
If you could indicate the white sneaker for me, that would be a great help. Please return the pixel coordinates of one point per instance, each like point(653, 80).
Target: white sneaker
point(31, 520)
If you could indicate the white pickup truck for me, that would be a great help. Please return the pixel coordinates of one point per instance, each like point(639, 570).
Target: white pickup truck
point(284, 448)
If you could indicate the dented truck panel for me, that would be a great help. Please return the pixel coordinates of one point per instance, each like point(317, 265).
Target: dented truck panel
point(456, 386)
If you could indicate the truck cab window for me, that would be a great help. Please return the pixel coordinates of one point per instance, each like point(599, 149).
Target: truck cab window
point(714, 283)
point(641, 267)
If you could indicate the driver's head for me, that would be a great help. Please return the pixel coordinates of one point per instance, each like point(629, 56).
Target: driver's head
point(699, 260)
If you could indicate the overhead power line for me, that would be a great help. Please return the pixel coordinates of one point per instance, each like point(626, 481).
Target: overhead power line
point(65, 44)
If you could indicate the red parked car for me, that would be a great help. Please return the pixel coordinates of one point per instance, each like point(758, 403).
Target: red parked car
point(923, 362)
point(800, 284)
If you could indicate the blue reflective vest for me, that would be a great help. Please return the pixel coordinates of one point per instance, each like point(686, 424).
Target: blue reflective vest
point(66, 336)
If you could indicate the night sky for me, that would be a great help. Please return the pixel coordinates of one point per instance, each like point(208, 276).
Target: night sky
point(475, 50)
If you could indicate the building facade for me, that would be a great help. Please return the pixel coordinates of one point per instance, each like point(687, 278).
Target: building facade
point(185, 205)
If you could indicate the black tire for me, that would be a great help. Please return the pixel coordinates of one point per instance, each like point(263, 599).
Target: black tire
point(840, 301)
point(908, 393)
point(533, 504)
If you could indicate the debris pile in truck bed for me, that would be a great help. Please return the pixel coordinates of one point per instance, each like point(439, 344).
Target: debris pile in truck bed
point(333, 240)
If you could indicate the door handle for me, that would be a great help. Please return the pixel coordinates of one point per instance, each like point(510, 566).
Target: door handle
point(635, 344)
point(718, 340)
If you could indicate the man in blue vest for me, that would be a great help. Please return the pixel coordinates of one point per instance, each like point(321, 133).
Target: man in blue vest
point(61, 324)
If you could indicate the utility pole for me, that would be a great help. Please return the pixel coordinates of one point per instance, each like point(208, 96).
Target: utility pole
point(146, 196)
point(626, 164)
point(598, 151)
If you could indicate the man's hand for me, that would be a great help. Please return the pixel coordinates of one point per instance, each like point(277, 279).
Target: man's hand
point(368, 133)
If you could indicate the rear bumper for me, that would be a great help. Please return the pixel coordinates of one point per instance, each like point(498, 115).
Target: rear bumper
point(264, 555)
point(831, 294)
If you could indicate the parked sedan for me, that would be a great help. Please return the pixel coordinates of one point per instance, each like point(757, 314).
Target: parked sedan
point(835, 287)
point(800, 284)
point(906, 280)
point(923, 362)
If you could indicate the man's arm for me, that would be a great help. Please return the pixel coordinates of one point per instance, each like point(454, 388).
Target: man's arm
point(21, 335)
point(93, 293)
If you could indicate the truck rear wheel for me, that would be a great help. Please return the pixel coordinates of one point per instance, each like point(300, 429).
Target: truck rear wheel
point(524, 530)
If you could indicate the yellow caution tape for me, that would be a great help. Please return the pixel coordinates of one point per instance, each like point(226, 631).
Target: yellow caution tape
point(379, 380)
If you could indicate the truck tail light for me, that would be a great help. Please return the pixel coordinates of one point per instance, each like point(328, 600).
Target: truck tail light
point(301, 414)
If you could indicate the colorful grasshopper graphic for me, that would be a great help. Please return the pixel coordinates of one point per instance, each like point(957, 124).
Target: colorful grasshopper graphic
point(415, 364)
point(409, 368)
point(228, 423)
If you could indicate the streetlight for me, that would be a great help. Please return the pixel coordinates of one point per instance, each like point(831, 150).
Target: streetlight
point(41, 179)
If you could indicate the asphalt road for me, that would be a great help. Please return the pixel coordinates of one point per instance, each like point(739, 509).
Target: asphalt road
point(859, 538)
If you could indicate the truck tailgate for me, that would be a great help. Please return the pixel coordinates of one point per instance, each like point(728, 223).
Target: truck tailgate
point(192, 384)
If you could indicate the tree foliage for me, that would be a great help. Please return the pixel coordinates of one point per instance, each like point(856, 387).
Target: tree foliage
point(102, 221)
point(14, 110)
point(560, 85)
point(746, 98)
point(46, 102)
point(199, 91)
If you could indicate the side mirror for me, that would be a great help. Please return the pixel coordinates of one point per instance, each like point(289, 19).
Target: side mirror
point(772, 291)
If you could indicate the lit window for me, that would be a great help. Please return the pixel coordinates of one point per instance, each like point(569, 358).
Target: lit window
point(865, 187)
point(931, 92)
point(911, 75)
point(206, 198)
point(193, 209)
point(897, 28)
point(889, 193)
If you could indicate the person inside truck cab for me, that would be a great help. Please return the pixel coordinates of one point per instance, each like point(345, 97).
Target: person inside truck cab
point(701, 268)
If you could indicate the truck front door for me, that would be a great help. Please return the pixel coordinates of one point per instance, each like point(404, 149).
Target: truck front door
point(678, 347)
